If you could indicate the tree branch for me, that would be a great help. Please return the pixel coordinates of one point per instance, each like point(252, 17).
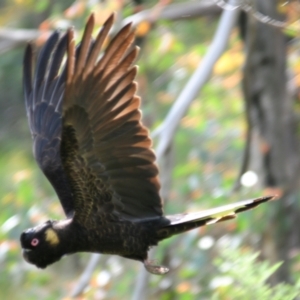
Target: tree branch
point(167, 129)
point(175, 12)
point(86, 275)
point(11, 38)
point(166, 168)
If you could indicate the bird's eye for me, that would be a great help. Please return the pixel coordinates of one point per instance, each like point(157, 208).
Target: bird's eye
point(34, 242)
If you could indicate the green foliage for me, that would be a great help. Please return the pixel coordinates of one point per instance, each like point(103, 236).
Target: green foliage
point(207, 152)
point(244, 276)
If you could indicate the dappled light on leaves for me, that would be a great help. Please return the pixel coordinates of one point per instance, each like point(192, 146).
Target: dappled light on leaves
point(229, 62)
point(249, 179)
point(143, 29)
point(75, 10)
point(206, 155)
point(21, 175)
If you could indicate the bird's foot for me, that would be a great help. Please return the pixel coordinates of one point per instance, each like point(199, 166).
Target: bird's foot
point(155, 269)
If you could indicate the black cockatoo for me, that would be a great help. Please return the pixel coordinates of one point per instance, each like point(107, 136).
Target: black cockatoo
point(89, 142)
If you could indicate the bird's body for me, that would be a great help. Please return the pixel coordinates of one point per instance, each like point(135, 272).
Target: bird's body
point(127, 239)
point(89, 141)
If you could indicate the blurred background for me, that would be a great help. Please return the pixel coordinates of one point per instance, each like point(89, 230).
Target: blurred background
point(237, 139)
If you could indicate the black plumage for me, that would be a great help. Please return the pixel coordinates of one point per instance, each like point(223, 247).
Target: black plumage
point(89, 142)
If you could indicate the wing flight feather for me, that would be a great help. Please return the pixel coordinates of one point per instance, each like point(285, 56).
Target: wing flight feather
point(85, 121)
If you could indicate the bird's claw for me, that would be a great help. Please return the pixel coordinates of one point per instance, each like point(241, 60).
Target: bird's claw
point(155, 269)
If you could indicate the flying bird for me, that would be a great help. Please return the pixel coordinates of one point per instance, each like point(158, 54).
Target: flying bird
point(88, 139)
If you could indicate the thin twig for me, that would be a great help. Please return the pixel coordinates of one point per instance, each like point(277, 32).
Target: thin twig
point(140, 287)
point(86, 275)
point(12, 38)
point(19, 35)
point(166, 168)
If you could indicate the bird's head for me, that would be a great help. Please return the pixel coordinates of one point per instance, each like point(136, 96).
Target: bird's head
point(41, 245)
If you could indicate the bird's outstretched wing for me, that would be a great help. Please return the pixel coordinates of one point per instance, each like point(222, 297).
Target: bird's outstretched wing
point(86, 126)
point(43, 100)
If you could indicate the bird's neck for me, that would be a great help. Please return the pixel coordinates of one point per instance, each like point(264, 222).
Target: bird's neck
point(71, 236)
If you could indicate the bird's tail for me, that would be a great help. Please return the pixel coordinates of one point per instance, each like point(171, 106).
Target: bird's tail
point(184, 222)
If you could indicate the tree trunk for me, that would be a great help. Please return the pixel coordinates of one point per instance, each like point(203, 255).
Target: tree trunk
point(274, 140)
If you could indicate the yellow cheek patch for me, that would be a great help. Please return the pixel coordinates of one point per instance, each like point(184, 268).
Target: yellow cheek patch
point(52, 237)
